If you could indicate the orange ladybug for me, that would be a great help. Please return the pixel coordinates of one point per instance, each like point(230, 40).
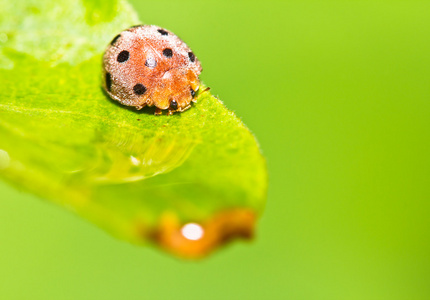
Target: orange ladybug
point(146, 65)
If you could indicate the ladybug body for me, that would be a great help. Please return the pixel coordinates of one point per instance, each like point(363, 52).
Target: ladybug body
point(147, 65)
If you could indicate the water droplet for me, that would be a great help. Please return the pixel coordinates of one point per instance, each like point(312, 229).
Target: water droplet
point(135, 161)
point(192, 231)
point(4, 160)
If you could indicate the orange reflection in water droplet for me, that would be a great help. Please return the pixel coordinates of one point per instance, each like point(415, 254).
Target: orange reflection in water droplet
point(196, 240)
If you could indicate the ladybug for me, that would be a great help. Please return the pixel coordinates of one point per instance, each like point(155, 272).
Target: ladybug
point(146, 65)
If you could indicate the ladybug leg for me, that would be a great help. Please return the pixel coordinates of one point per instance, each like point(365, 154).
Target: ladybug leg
point(199, 92)
point(158, 112)
point(170, 112)
point(185, 108)
point(140, 105)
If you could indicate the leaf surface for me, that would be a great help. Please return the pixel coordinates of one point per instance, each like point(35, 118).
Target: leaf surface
point(139, 176)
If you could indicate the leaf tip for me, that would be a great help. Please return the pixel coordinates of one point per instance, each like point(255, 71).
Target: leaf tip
point(197, 240)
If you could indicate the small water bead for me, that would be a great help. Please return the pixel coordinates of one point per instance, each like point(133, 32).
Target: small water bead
point(4, 160)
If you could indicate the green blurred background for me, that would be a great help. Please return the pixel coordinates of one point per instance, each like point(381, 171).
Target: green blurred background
point(338, 95)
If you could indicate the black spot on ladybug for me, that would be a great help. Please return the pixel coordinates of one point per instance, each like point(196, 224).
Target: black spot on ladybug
point(193, 93)
point(115, 39)
point(123, 56)
point(139, 89)
point(192, 56)
point(168, 52)
point(162, 31)
point(150, 62)
point(108, 81)
point(174, 105)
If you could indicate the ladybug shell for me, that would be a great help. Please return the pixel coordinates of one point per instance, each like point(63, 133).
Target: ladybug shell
point(148, 65)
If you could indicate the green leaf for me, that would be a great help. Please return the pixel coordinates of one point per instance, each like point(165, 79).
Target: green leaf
point(139, 176)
